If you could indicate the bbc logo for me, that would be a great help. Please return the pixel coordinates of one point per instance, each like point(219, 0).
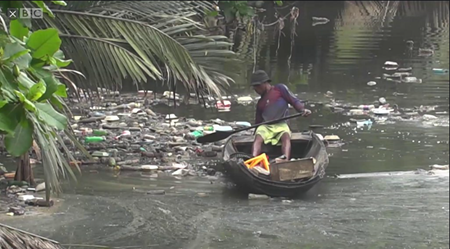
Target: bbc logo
point(25, 13)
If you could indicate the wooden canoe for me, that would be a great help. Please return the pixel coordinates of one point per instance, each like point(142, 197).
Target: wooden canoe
point(288, 179)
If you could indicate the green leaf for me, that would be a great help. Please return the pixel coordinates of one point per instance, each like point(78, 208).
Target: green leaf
point(52, 86)
point(7, 86)
point(44, 42)
point(279, 3)
point(62, 63)
point(59, 55)
point(61, 91)
point(7, 123)
point(36, 91)
point(60, 59)
point(50, 116)
point(21, 141)
point(44, 7)
point(213, 13)
point(14, 52)
point(25, 22)
point(37, 63)
point(62, 3)
point(3, 103)
point(25, 81)
point(27, 104)
point(18, 30)
point(52, 60)
point(56, 102)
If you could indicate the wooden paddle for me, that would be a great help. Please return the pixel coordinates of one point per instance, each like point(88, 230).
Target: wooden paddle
point(219, 135)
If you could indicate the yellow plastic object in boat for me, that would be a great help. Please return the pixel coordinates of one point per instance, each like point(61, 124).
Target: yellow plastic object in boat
point(261, 159)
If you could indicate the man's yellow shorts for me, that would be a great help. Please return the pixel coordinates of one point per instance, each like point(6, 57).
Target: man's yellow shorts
point(272, 133)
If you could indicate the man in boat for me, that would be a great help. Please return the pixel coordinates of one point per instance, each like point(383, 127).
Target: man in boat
point(273, 105)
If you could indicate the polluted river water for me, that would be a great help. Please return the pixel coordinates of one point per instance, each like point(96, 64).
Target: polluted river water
point(402, 210)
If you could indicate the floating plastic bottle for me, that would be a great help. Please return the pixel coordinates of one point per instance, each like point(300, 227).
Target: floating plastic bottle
point(94, 139)
point(440, 70)
point(100, 132)
point(100, 154)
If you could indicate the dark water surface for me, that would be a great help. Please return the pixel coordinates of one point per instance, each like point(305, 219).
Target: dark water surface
point(409, 211)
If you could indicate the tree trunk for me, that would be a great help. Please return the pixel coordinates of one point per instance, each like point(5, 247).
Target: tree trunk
point(24, 171)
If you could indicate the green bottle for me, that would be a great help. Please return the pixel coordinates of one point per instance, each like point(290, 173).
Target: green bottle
point(100, 132)
point(94, 139)
point(197, 134)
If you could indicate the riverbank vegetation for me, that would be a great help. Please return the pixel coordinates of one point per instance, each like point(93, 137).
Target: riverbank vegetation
point(111, 44)
point(32, 109)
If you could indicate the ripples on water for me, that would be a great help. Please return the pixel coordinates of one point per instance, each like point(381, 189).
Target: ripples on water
point(382, 212)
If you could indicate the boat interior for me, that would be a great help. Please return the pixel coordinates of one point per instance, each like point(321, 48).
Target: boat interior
point(301, 144)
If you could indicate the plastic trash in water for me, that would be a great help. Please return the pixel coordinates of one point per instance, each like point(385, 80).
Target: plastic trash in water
point(124, 134)
point(223, 128)
point(223, 105)
point(100, 154)
point(411, 79)
point(196, 134)
point(366, 107)
point(94, 139)
point(141, 93)
point(97, 114)
point(381, 111)
point(243, 123)
point(440, 71)
point(100, 132)
point(86, 131)
point(245, 100)
point(112, 118)
point(391, 64)
point(363, 123)
point(208, 129)
point(171, 117)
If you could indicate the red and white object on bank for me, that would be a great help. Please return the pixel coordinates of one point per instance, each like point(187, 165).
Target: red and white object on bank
point(223, 104)
point(124, 134)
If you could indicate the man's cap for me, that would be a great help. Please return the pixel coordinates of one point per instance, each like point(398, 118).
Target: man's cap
point(259, 77)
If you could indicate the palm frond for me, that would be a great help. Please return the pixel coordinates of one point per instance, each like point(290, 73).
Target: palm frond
point(104, 63)
point(11, 237)
point(151, 11)
point(107, 49)
point(83, 5)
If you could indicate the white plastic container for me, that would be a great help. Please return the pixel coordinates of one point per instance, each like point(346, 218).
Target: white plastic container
point(381, 111)
point(222, 128)
point(243, 123)
point(112, 118)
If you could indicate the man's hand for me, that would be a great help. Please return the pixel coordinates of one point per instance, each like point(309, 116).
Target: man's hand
point(306, 113)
